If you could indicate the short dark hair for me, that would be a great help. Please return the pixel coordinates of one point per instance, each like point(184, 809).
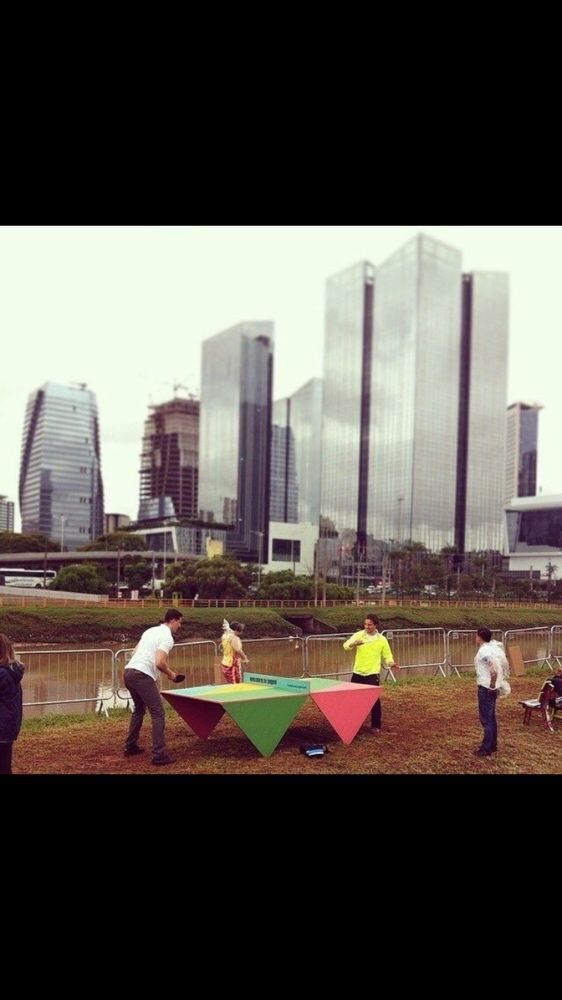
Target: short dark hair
point(373, 618)
point(236, 626)
point(172, 615)
point(484, 634)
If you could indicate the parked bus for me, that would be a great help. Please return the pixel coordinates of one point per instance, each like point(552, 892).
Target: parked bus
point(10, 577)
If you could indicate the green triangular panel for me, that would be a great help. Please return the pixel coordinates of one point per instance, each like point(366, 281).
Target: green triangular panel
point(266, 721)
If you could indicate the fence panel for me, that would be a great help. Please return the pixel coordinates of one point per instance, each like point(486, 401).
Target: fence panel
point(57, 679)
point(461, 648)
point(556, 644)
point(283, 657)
point(533, 642)
point(418, 649)
point(325, 657)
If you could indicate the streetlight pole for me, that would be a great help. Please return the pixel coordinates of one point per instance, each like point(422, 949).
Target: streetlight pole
point(260, 539)
point(62, 532)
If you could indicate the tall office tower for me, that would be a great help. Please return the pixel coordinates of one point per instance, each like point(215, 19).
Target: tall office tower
point(414, 379)
point(414, 388)
point(283, 504)
point(6, 514)
point(235, 436)
point(61, 488)
point(346, 413)
point(306, 426)
point(521, 450)
point(170, 460)
point(481, 453)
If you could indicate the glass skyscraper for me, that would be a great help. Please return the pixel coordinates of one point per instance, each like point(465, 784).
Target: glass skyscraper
point(521, 450)
point(6, 514)
point(415, 395)
point(346, 405)
point(61, 488)
point(482, 431)
point(283, 505)
point(306, 426)
point(414, 382)
point(169, 461)
point(235, 435)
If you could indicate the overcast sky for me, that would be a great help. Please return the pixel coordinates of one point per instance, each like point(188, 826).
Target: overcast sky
point(125, 310)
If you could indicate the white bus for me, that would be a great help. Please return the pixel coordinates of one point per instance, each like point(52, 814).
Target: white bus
point(10, 577)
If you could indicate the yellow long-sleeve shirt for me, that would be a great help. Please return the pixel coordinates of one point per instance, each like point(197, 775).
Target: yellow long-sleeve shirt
point(370, 656)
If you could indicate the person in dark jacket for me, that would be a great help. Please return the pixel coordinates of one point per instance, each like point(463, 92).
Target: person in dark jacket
point(11, 702)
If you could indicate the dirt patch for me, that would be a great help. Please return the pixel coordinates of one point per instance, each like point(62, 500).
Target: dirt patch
point(429, 728)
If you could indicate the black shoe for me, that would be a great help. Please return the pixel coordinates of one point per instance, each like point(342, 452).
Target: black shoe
point(162, 760)
point(482, 753)
point(132, 751)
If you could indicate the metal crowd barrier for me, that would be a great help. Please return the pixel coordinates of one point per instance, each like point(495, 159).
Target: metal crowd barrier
point(284, 657)
point(68, 677)
point(415, 648)
point(535, 644)
point(555, 652)
point(461, 648)
point(94, 677)
point(324, 656)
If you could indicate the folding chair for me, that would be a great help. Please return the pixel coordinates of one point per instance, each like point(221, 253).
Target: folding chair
point(545, 704)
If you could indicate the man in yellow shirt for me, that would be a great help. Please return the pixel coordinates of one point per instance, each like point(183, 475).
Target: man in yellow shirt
point(372, 651)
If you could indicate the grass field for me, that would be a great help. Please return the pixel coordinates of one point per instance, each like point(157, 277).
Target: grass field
point(430, 726)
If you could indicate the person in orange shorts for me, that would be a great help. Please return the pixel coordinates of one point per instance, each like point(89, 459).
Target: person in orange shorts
point(233, 654)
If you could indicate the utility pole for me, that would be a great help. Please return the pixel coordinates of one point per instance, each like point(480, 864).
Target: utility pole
point(384, 576)
point(316, 554)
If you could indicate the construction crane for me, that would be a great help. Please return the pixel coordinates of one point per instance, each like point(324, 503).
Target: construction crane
point(180, 385)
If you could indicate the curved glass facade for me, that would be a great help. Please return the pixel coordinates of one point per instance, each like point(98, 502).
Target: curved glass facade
point(61, 488)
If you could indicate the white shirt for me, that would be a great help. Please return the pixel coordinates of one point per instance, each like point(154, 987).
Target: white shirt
point(143, 659)
point(485, 658)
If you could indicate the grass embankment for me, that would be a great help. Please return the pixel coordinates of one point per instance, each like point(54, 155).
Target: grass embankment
point(118, 625)
point(348, 619)
point(430, 726)
point(123, 625)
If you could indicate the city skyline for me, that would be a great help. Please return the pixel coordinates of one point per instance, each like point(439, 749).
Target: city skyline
point(125, 309)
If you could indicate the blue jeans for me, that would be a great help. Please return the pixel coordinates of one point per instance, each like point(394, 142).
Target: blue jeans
point(487, 713)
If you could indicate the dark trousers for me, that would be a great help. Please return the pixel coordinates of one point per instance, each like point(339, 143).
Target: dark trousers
point(145, 694)
point(6, 758)
point(487, 713)
point(376, 711)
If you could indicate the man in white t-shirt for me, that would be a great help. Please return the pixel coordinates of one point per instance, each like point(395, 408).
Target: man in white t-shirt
point(489, 676)
point(141, 679)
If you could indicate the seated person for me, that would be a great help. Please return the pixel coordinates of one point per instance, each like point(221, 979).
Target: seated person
point(555, 684)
